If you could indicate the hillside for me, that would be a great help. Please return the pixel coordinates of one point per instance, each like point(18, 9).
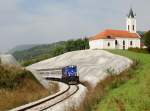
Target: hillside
point(21, 47)
point(18, 87)
point(38, 50)
point(41, 52)
point(132, 95)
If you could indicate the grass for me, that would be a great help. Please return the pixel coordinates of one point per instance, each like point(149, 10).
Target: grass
point(133, 94)
point(18, 87)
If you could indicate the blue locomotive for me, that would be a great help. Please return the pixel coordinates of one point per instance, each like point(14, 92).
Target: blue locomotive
point(70, 75)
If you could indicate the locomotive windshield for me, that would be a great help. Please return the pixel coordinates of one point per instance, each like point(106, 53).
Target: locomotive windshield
point(71, 70)
point(69, 74)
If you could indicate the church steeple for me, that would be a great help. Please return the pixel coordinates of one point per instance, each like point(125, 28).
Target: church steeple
point(131, 14)
point(131, 22)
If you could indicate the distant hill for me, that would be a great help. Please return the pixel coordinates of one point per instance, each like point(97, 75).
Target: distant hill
point(21, 47)
point(45, 51)
point(38, 50)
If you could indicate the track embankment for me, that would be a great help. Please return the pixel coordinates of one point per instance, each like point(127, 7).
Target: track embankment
point(50, 101)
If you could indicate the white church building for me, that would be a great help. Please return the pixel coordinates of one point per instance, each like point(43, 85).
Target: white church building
point(118, 39)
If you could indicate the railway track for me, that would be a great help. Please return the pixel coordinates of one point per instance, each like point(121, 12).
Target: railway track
point(65, 98)
point(52, 101)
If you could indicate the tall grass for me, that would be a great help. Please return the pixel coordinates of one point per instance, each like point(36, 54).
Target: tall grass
point(18, 86)
point(12, 76)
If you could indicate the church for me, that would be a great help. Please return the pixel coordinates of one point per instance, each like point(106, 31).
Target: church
point(118, 39)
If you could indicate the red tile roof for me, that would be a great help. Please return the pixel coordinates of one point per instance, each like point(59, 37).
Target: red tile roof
point(112, 34)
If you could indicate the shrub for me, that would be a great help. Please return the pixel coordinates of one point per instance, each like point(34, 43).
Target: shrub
point(18, 86)
point(11, 76)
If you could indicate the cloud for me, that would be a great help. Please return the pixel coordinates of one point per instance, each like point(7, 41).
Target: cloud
point(46, 21)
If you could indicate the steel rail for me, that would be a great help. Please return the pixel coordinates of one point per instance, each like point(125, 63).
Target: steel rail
point(77, 88)
point(39, 103)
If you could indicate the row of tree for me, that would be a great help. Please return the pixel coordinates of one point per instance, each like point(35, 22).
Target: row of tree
point(71, 45)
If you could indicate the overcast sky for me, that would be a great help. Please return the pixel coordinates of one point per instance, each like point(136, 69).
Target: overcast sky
point(47, 21)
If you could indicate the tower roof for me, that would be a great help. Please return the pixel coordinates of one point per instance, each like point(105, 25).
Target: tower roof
point(131, 14)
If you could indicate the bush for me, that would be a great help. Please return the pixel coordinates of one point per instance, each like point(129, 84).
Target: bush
point(11, 77)
point(18, 86)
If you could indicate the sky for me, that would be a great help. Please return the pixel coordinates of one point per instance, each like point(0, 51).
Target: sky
point(47, 21)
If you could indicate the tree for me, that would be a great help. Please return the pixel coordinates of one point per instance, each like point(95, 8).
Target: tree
point(79, 44)
point(147, 40)
point(58, 51)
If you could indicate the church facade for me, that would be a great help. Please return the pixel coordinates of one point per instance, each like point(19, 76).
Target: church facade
point(118, 39)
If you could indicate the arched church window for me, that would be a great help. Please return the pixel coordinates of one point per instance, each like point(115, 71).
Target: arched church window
point(128, 27)
point(133, 27)
point(131, 43)
point(116, 42)
point(123, 42)
point(108, 44)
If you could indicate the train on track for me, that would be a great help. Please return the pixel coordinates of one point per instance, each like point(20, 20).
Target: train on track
point(70, 74)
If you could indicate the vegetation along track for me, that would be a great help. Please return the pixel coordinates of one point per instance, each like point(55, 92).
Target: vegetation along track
point(52, 101)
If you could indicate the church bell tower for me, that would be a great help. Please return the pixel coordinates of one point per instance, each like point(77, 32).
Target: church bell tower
point(131, 22)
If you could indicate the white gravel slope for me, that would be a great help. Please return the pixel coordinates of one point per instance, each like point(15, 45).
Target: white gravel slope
point(92, 66)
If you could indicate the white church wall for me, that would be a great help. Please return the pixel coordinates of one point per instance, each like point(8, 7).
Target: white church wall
point(108, 43)
point(135, 43)
point(96, 44)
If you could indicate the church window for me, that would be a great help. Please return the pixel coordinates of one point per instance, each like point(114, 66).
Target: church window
point(108, 44)
point(133, 27)
point(131, 43)
point(128, 27)
point(123, 42)
point(116, 42)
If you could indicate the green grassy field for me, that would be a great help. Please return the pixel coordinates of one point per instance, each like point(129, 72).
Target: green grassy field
point(133, 95)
